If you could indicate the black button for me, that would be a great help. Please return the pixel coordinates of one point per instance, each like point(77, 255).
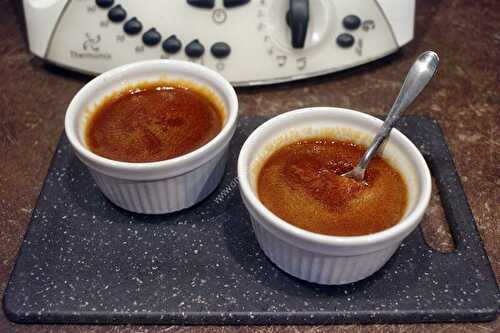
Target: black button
point(133, 26)
point(351, 22)
point(202, 3)
point(117, 14)
point(172, 44)
point(151, 37)
point(220, 50)
point(195, 49)
point(235, 3)
point(345, 40)
point(104, 3)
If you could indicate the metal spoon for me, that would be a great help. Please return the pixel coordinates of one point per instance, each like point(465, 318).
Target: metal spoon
point(417, 78)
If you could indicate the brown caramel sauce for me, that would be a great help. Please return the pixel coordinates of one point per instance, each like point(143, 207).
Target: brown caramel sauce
point(154, 121)
point(301, 184)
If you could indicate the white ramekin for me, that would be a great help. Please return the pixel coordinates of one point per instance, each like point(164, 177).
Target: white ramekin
point(156, 187)
point(320, 258)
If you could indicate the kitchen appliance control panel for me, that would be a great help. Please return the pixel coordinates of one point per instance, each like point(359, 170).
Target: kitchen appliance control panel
point(247, 41)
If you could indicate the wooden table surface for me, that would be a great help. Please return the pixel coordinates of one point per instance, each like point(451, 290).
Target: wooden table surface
point(464, 97)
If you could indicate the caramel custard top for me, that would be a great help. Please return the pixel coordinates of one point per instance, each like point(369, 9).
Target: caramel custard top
point(153, 122)
point(301, 184)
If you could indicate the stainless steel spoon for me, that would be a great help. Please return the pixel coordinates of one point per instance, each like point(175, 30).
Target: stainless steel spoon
point(417, 78)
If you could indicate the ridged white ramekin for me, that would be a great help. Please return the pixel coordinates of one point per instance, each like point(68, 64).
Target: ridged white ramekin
point(156, 187)
point(321, 258)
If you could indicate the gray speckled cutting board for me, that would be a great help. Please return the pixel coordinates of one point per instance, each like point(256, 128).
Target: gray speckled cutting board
point(84, 260)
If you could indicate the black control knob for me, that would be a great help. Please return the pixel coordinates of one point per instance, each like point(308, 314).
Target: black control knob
point(202, 3)
point(351, 22)
point(195, 49)
point(117, 14)
point(297, 19)
point(172, 44)
point(345, 40)
point(220, 50)
point(104, 3)
point(151, 37)
point(235, 3)
point(132, 26)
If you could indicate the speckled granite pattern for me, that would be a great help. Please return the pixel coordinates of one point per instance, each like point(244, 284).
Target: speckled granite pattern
point(84, 260)
point(464, 98)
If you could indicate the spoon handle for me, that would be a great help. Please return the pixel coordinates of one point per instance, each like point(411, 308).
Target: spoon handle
point(417, 78)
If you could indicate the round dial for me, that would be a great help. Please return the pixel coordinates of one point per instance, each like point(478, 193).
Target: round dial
point(296, 25)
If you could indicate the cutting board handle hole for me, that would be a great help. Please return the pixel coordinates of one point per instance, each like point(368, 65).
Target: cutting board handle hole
point(434, 226)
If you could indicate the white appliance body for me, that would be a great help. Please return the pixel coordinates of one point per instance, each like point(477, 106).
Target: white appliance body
point(80, 35)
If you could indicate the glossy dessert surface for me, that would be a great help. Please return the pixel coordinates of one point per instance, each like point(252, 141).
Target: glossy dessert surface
point(302, 184)
point(153, 122)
